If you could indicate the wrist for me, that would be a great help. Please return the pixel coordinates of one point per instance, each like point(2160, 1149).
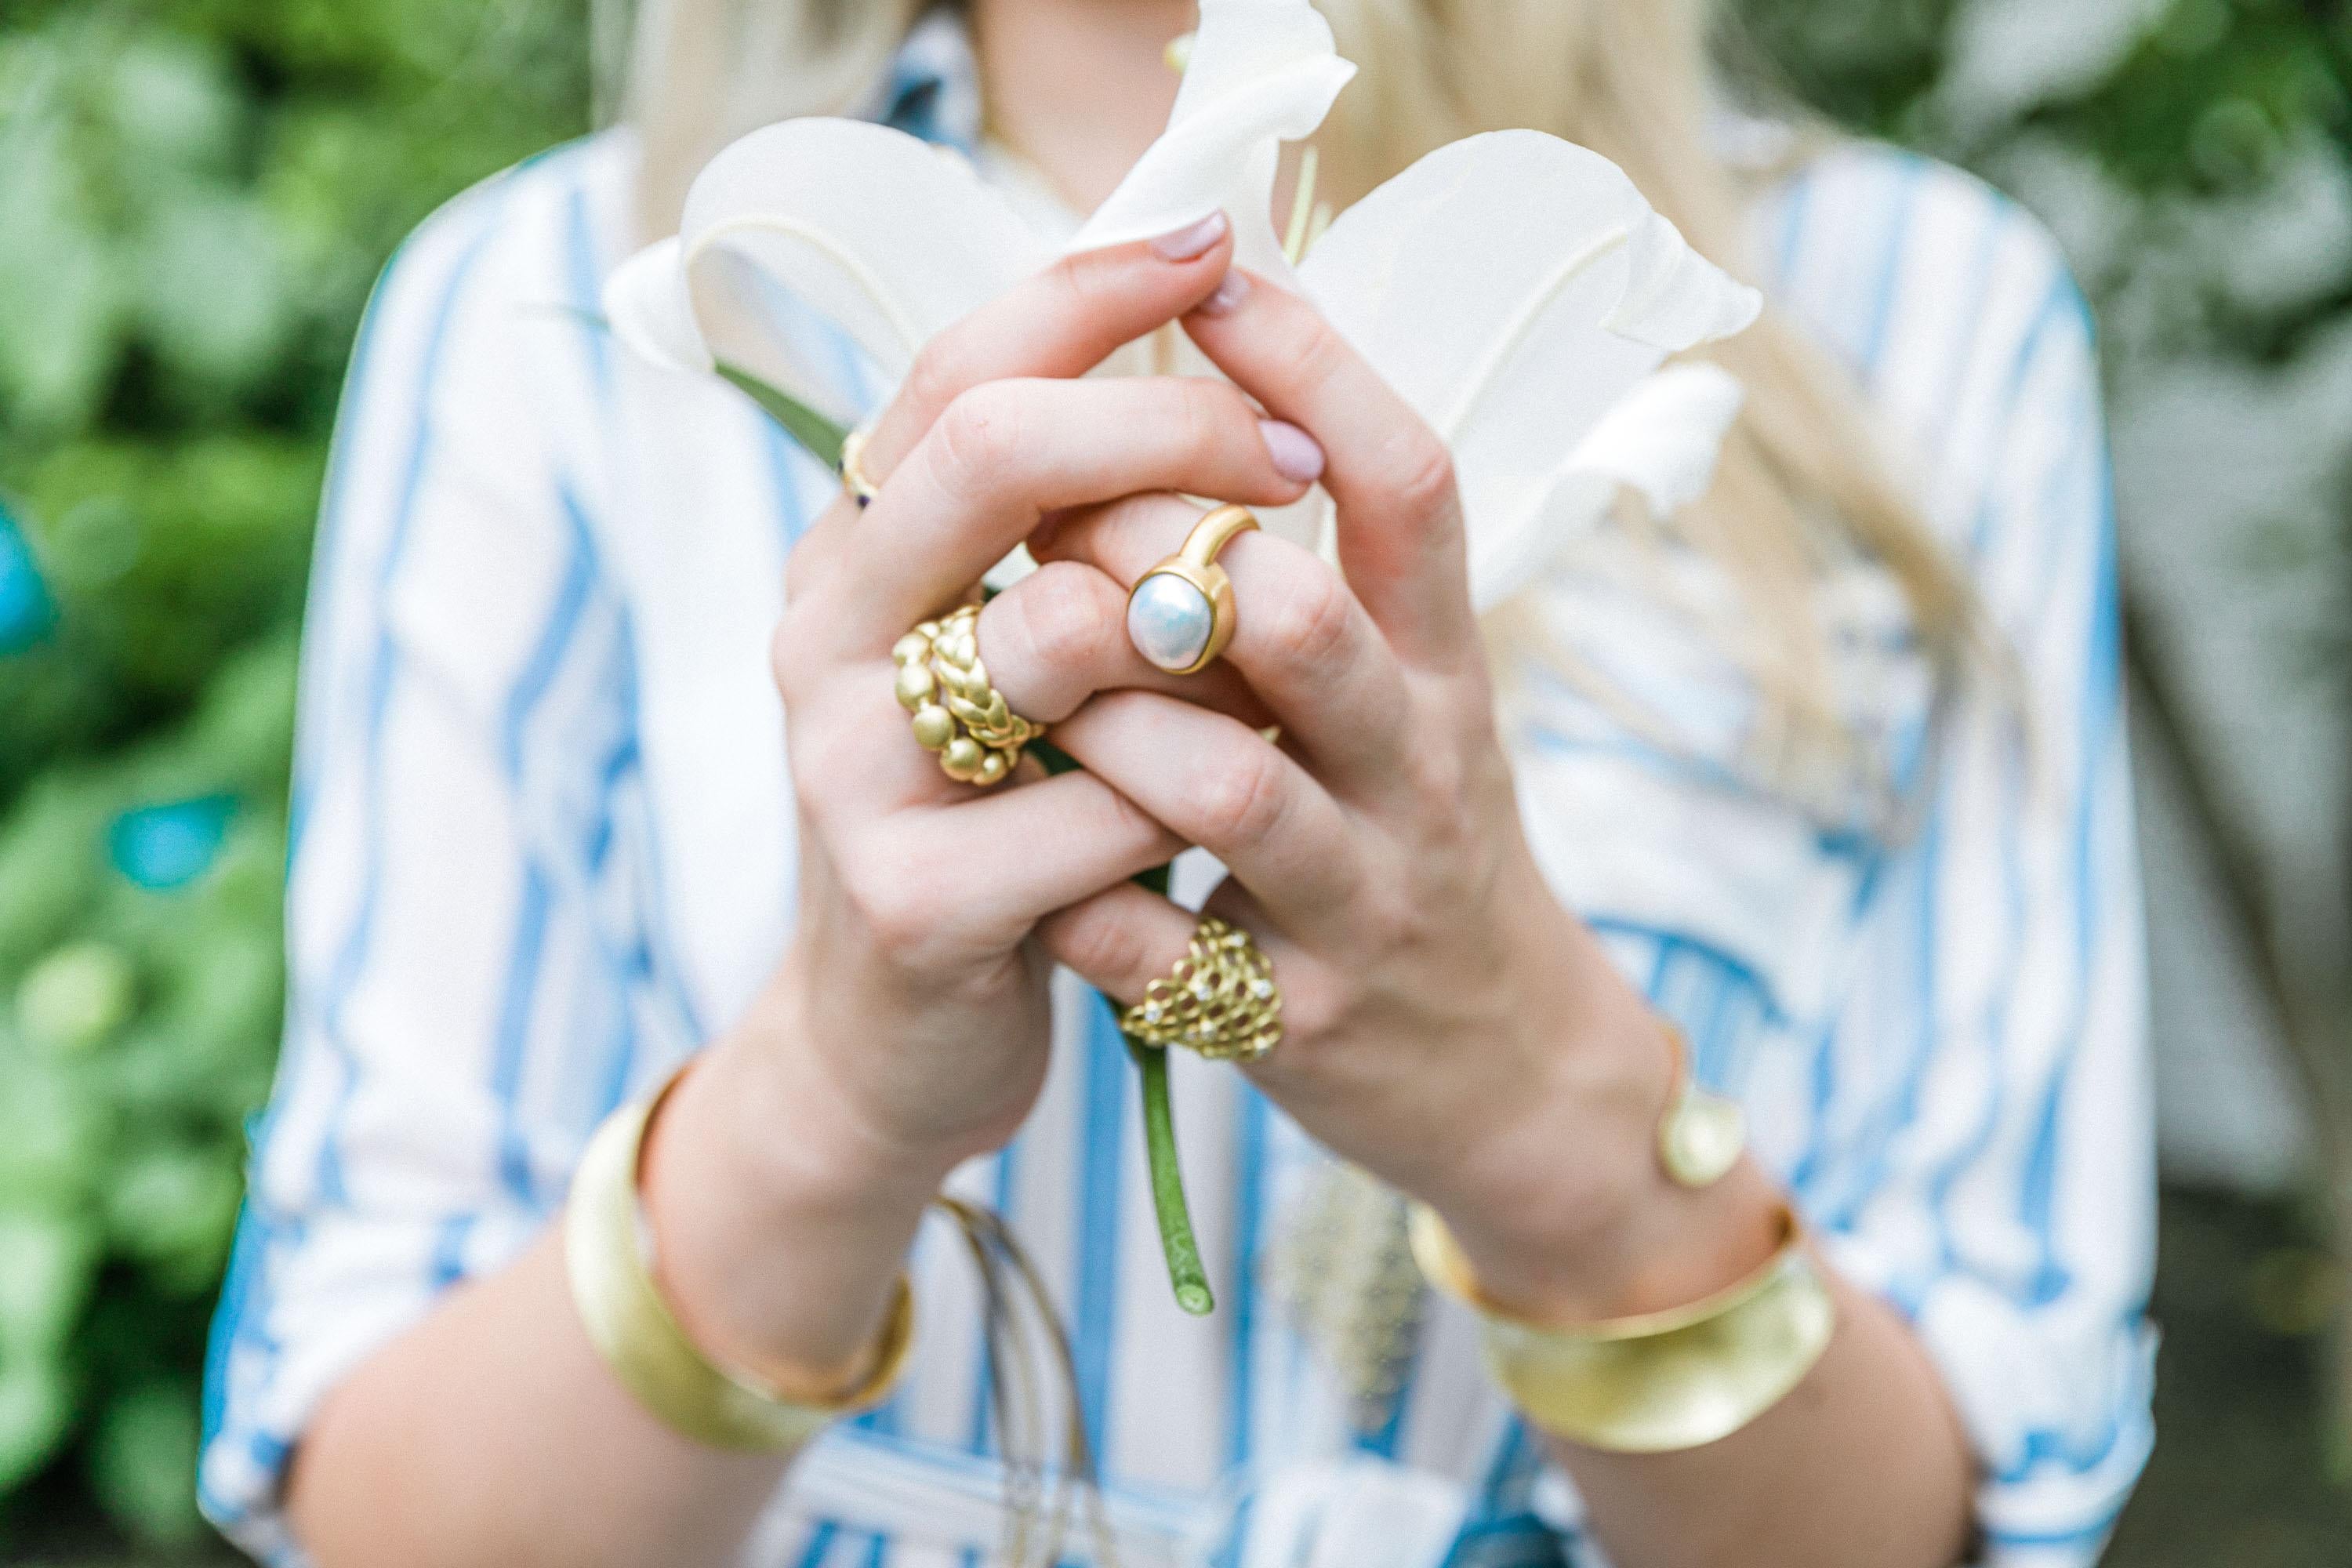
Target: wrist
point(778, 1226)
point(1654, 1251)
point(1570, 1213)
point(802, 1136)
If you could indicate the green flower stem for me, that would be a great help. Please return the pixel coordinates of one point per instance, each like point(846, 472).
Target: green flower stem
point(1189, 1281)
point(1185, 1275)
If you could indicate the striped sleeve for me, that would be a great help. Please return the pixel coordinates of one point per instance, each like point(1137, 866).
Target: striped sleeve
point(1996, 1180)
point(469, 988)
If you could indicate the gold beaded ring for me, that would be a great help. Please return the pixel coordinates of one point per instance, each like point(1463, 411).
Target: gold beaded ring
point(957, 713)
point(1181, 614)
point(1220, 1001)
point(854, 481)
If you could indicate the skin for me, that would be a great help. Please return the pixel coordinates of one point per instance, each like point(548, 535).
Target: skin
point(1452, 1028)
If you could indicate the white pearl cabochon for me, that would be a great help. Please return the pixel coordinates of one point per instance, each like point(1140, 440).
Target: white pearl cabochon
point(1169, 621)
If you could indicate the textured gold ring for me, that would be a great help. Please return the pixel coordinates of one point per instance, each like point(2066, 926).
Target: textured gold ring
point(957, 713)
point(1220, 1001)
point(854, 481)
point(1181, 614)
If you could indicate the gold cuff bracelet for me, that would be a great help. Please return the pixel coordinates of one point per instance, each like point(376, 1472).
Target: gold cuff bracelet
point(1660, 1382)
point(608, 1254)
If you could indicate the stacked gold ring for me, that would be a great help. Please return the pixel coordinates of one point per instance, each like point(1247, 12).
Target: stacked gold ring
point(1220, 1001)
point(957, 713)
point(860, 489)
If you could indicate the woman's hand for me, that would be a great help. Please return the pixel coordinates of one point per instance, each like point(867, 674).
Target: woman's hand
point(1449, 1027)
point(907, 1028)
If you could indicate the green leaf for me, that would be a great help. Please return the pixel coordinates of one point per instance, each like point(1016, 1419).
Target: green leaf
point(48, 1264)
point(36, 1408)
point(55, 1136)
point(175, 1210)
point(142, 1463)
point(818, 435)
point(76, 997)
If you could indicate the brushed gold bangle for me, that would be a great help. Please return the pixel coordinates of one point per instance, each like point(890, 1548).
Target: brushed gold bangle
point(1660, 1382)
point(608, 1249)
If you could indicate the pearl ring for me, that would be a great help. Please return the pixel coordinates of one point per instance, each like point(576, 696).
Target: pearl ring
point(1180, 615)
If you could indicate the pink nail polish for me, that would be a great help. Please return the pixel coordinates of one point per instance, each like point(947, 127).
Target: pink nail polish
point(1296, 455)
point(1230, 293)
point(1187, 242)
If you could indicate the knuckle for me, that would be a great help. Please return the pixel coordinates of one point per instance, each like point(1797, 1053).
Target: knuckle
point(1203, 416)
point(886, 898)
point(1095, 944)
point(1309, 624)
point(1086, 280)
point(1130, 822)
point(938, 375)
point(793, 659)
point(1322, 356)
point(805, 753)
point(1315, 1016)
point(1425, 477)
point(783, 659)
point(1435, 775)
point(819, 750)
point(1242, 803)
point(1057, 619)
point(1392, 925)
point(977, 435)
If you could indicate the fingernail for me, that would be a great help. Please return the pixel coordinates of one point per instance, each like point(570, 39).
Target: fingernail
point(1187, 242)
point(1230, 292)
point(1296, 455)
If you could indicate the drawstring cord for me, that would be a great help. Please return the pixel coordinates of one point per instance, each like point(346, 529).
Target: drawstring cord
point(1017, 1307)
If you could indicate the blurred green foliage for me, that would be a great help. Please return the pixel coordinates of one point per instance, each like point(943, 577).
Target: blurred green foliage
point(194, 199)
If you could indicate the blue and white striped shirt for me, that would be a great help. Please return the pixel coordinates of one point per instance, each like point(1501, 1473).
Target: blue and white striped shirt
point(543, 850)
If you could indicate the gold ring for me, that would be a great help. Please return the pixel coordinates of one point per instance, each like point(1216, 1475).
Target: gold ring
point(957, 713)
point(1180, 615)
point(854, 481)
point(1702, 1134)
point(1220, 1001)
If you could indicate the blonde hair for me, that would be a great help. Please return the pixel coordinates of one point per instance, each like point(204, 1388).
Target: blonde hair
point(1802, 484)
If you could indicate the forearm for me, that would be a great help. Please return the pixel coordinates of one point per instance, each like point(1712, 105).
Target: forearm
point(1863, 1465)
point(493, 1433)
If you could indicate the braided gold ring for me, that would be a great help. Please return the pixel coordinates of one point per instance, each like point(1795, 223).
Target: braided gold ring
point(854, 481)
point(1181, 614)
point(957, 713)
point(1220, 1001)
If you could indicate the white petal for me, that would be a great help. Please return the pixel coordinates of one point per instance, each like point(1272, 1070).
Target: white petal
point(1496, 269)
point(646, 301)
point(1677, 297)
point(1514, 287)
point(868, 227)
point(1662, 441)
point(1010, 570)
point(1262, 72)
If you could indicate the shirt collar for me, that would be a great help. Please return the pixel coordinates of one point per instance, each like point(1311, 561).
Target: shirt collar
point(932, 87)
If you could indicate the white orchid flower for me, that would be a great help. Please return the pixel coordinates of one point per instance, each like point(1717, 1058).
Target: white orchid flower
point(1514, 287)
